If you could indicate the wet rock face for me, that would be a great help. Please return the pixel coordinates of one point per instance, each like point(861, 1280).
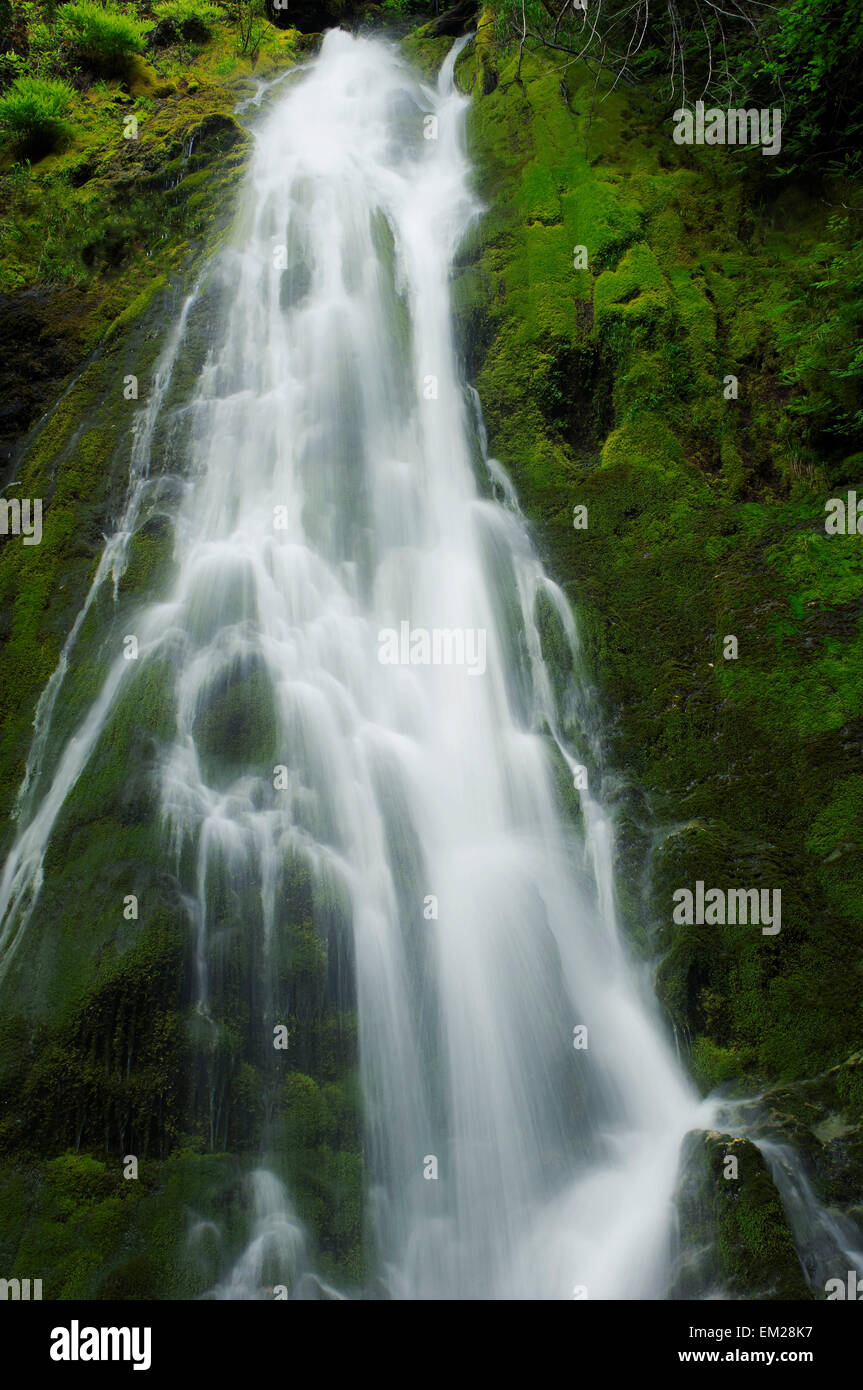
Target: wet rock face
point(47, 331)
point(735, 1241)
point(821, 1117)
point(35, 358)
point(215, 133)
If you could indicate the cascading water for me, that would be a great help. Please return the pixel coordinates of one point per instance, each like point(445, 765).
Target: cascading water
point(338, 512)
point(556, 1167)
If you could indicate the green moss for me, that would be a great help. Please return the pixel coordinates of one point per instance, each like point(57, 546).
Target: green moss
point(713, 1065)
point(105, 1067)
point(236, 726)
point(316, 1134)
point(425, 51)
point(605, 387)
point(835, 840)
point(734, 1235)
point(149, 560)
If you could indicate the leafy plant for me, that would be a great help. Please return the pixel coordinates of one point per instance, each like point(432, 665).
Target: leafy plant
point(39, 50)
point(250, 19)
point(99, 37)
point(12, 65)
point(189, 12)
point(826, 365)
point(807, 66)
point(33, 111)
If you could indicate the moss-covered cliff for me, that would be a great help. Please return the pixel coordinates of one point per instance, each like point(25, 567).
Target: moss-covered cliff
point(614, 286)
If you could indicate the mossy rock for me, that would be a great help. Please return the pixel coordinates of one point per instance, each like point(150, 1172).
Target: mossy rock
point(236, 726)
point(734, 1236)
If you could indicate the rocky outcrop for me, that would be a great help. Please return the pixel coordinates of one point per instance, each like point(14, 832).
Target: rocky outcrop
point(734, 1236)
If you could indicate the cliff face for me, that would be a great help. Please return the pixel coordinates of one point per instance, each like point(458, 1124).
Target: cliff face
point(613, 286)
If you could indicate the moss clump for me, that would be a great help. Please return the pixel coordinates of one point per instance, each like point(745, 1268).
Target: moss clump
point(100, 37)
point(317, 1137)
point(734, 1236)
point(236, 727)
point(424, 50)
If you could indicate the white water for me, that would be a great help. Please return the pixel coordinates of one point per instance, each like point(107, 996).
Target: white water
point(556, 1166)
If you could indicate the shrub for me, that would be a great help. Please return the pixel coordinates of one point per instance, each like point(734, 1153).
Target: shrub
point(12, 65)
point(182, 12)
point(99, 37)
point(826, 367)
point(33, 111)
point(42, 58)
point(808, 66)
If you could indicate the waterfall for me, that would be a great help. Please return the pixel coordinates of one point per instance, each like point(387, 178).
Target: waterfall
point(355, 582)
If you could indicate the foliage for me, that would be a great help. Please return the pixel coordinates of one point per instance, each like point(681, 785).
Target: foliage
point(826, 366)
point(36, 53)
point(251, 20)
point(189, 12)
point(33, 110)
point(12, 65)
point(793, 55)
point(806, 60)
point(99, 37)
point(692, 47)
